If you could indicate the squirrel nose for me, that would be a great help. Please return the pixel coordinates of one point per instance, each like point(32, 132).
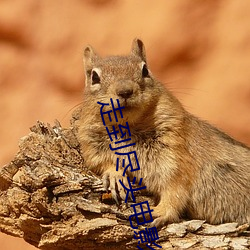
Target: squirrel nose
point(125, 93)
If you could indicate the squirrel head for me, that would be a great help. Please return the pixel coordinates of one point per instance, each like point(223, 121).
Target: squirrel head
point(126, 78)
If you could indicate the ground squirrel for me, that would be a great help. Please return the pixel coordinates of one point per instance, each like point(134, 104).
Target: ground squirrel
point(190, 166)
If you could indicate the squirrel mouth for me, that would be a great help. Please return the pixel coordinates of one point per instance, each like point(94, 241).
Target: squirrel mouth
point(128, 103)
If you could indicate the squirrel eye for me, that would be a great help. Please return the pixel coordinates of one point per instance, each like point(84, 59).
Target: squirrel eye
point(145, 72)
point(95, 78)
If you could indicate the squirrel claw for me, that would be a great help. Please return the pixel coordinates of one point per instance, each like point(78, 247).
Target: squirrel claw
point(106, 182)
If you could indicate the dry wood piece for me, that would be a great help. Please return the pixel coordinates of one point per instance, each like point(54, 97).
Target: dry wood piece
point(50, 198)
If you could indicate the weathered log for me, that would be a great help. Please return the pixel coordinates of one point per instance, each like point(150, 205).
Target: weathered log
point(53, 201)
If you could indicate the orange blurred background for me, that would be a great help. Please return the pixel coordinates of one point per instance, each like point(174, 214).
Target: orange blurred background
point(200, 49)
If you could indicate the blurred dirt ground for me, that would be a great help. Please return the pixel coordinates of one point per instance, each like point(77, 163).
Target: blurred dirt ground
point(200, 49)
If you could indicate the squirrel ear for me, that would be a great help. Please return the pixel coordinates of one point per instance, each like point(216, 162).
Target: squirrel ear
point(89, 57)
point(138, 49)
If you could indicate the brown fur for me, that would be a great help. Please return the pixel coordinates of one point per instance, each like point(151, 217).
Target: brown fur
point(191, 166)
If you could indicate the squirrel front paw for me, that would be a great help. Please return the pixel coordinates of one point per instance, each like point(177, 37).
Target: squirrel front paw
point(160, 222)
point(111, 181)
point(164, 214)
